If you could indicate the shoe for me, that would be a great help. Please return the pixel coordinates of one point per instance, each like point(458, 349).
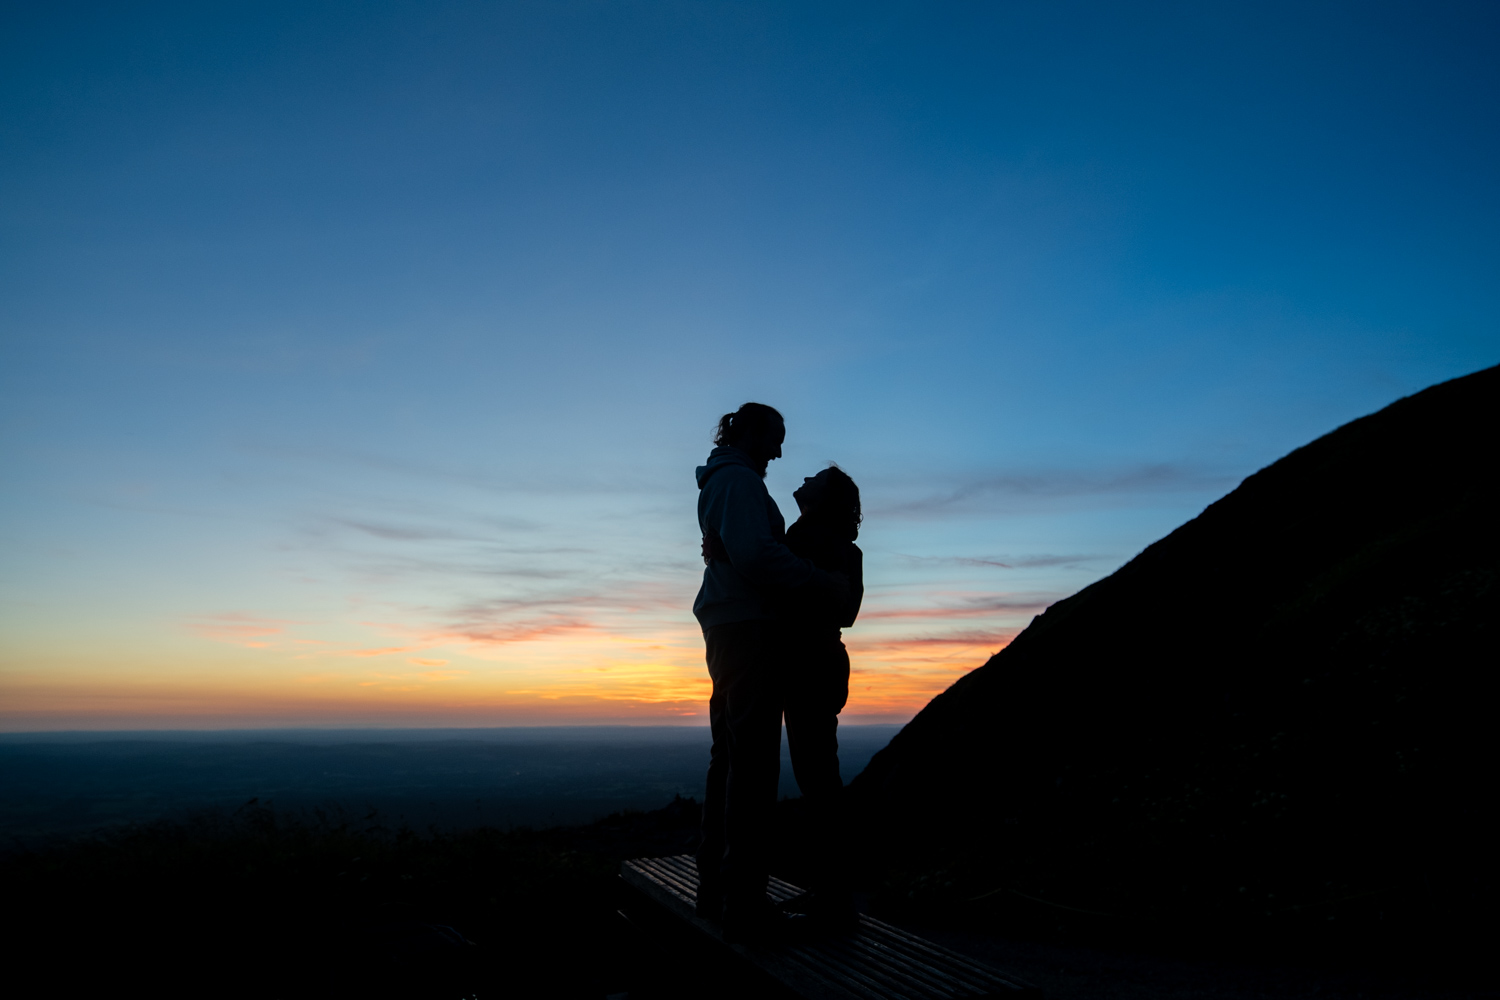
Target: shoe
point(710, 903)
point(760, 922)
point(828, 912)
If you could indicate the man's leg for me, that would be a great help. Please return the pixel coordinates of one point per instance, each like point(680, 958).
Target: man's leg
point(711, 846)
point(743, 662)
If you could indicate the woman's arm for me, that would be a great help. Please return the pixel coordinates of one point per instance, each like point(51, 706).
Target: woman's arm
point(856, 574)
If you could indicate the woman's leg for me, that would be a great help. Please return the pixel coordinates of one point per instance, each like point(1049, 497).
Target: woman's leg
point(817, 692)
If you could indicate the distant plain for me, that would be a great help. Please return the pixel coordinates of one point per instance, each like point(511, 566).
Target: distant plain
point(59, 784)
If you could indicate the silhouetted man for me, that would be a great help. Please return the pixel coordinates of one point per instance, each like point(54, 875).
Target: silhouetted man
point(746, 560)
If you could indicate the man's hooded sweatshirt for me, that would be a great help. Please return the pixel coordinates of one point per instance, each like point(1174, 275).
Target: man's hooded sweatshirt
point(738, 517)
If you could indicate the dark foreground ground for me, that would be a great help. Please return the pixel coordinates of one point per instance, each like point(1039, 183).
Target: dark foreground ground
point(261, 903)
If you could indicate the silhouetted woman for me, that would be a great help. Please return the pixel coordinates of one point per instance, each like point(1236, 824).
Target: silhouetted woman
point(817, 680)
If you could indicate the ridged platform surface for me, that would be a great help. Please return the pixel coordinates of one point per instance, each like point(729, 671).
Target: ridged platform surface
point(877, 962)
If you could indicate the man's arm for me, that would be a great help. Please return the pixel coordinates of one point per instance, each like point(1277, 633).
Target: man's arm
point(737, 515)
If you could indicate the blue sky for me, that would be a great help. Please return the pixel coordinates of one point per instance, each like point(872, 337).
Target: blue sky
point(355, 357)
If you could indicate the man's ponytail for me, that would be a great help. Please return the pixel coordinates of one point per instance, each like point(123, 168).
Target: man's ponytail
point(734, 427)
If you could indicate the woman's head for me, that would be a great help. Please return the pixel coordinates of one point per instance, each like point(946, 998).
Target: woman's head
point(830, 499)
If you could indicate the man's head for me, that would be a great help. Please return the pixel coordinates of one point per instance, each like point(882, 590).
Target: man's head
point(757, 430)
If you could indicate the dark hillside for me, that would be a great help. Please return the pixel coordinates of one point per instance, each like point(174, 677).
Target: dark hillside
point(1275, 721)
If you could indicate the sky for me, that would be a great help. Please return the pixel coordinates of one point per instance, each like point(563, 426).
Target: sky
point(355, 357)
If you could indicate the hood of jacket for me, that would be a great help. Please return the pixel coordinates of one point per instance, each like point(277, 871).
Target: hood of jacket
point(719, 458)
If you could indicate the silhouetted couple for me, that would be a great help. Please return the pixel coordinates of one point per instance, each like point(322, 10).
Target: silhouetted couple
point(771, 606)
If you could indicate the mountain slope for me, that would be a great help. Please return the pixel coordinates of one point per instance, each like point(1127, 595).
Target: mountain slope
point(1278, 715)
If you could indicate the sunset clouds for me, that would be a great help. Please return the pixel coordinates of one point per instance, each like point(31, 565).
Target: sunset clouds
point(588, 621)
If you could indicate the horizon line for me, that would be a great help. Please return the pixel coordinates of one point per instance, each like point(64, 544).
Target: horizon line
point(227, 730)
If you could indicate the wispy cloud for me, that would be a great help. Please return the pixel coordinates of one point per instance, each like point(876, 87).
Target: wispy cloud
point(400, 533)
point(1000, 562)
point(240, 629)
point(411, 681)
point(620, 611)
point(495, 480)
point(425, 533)
point(469, 565)
point(1011, 490)
point(505, 633)
point(970, 606)
point(994, 638)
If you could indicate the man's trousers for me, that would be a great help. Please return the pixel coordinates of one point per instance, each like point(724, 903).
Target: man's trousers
point(745, 661)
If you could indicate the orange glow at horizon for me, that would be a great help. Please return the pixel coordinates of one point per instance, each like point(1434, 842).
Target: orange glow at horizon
point(265, 672)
